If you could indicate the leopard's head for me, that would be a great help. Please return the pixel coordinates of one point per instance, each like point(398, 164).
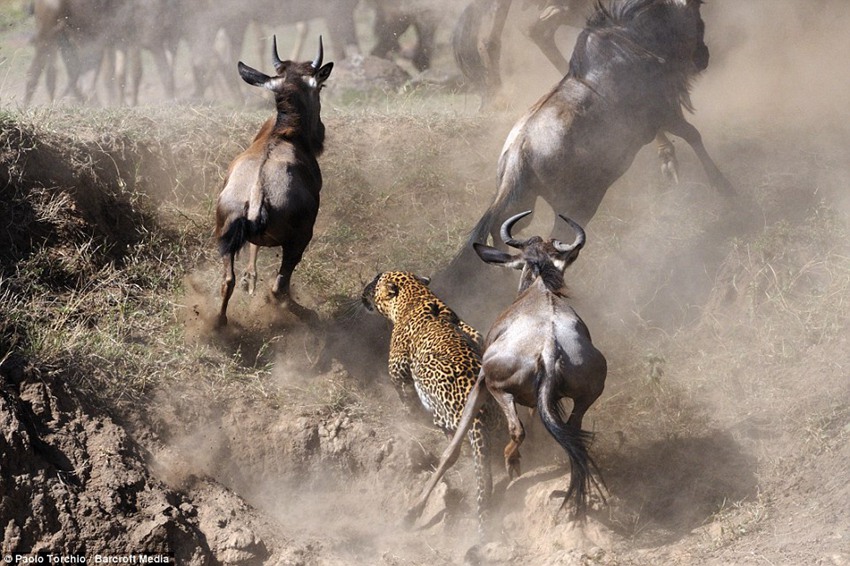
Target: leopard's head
point(390, 292)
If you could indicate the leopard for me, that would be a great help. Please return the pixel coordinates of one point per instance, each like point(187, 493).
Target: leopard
point(434, 362)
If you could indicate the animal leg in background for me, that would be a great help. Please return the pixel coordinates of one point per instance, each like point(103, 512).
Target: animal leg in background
point(43, 61)
point(490, 49)
point(685, 130)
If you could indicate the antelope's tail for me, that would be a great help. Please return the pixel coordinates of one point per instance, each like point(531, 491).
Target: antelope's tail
point(239, 231)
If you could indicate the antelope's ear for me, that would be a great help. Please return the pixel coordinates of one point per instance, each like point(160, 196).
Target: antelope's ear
point(252, 76)
point(323, 73)
point(492, 255)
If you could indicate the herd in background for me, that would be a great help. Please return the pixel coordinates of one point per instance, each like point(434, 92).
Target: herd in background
point(625, 85)
point(104, 39)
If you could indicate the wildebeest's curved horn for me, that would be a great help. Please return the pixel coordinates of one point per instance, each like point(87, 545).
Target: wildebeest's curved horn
point(275, 57)
point(317, 62)
point(508, 225)
point(579, 241)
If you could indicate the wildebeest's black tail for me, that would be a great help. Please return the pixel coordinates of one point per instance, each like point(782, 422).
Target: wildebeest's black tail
point(573, 441)
point(235, 238)
point(239, 231)
point(465, 42)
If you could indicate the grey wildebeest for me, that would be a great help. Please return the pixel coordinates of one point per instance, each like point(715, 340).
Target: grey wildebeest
point(629, 78)
point(271, 192)
point(478, 55)
point(537, 352)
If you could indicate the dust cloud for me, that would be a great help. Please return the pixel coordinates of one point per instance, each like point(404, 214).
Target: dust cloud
point(776, 63)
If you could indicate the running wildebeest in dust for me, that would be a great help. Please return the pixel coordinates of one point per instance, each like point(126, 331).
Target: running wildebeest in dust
point(271, 193)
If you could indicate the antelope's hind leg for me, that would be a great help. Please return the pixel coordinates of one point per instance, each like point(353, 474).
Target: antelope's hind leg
point(515, 429)
point(282, 292)
point(667, 156)
point(227, 286)
point(249, 276)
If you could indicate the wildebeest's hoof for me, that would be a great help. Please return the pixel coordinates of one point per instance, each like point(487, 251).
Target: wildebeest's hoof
point(669, 164)
point(513, 468)
point(248, 284)
point(670, 172)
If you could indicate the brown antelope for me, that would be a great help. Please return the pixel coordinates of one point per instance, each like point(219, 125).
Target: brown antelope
point(537, 352)
point(271, 192)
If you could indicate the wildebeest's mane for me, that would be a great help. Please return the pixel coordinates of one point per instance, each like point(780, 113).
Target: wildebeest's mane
point(291, 111)
point(621, 22)
point(552, 278)
point(541, 265)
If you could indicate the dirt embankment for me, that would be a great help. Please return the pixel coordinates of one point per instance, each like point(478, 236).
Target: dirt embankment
point(78, 221)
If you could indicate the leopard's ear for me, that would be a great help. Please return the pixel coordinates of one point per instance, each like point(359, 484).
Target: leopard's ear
point(392, 289)
point(424, 280)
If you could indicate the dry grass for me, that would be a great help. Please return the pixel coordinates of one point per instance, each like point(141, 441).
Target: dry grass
point(95, 250)
point(114, 216)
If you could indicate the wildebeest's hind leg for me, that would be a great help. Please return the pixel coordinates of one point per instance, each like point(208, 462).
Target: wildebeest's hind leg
point(227, 287)
point(542, 33)
point(515, 429)
point(292, 254)
point(249, 276)
point(667, 155)
point(690, 134)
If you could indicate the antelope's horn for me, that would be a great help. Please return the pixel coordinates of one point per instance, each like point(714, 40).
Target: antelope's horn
point(579, 241)
point(508, 225)
point(317, 62)
point(275, 57)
